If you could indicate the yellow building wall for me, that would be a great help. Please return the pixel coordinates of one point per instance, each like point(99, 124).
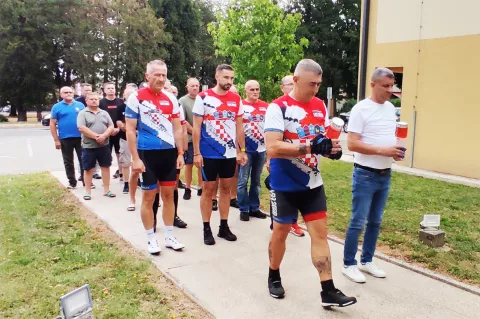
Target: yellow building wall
point(441, 82)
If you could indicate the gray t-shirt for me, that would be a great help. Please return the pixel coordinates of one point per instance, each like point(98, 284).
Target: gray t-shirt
point(97, 122)
point(187, 103)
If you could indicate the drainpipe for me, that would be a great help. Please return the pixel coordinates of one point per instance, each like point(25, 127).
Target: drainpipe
point(364, 48)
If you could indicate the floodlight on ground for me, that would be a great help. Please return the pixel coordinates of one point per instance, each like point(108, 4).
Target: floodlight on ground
point(77, 304)
point(430, 221)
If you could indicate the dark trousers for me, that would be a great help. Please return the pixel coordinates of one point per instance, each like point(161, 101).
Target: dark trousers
point(69, 145)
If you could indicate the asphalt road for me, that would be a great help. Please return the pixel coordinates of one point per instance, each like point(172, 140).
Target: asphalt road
point(27, 150)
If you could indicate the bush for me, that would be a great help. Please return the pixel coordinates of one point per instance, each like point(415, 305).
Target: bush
point(396, 102)
point(348, 105)
point(3, 118)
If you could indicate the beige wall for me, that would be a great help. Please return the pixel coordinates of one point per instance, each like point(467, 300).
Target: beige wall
point(441, 82)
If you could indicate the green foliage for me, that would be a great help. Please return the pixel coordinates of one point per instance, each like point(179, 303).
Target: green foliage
point(47, 45)
point(258, 37)
point(3, 118)
point(348, 105)
point(396, 102)
point(191, 52)
point(48, 250)
point(333, 30)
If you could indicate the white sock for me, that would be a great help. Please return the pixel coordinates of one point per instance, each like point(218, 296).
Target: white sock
point(150, 235)
point(168, 231)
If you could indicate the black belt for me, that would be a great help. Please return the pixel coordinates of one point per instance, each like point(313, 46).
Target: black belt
point(375, 170)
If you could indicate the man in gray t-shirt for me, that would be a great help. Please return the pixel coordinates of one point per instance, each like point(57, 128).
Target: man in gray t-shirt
point(96, 126)
point(187, 102)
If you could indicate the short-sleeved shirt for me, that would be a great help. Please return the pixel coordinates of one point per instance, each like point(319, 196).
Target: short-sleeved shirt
point(187, 103)
point(81, 99)
point(299, 122)
point(219, 113)
point(98, 122)
point(66, 116)
point(154, 113)
point(376, 124)
point(253, 124)
point(121, 117)
point(111, 107)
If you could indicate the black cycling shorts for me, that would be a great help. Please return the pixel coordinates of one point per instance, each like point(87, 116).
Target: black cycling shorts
point(222, 168)
point(311, 203)
point(114, 142)
point(160, 166)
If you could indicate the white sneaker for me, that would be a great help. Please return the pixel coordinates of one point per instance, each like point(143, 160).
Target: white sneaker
point(154, 248)
point(353, 274)
point(372, 269)
point(172, 242)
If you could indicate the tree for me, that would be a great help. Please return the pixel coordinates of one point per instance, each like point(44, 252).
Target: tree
point(207, 62)
point(47, 45)
point(28, 34)
point(132, 36)
point(183, 23)
point(259, 38)
point(333, 29)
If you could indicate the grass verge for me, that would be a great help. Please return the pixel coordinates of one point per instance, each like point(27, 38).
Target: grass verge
point(52, 245)
point(410, 198)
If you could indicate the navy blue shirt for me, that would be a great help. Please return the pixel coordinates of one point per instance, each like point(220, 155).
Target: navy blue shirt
point(66, 116)
point(82, 100)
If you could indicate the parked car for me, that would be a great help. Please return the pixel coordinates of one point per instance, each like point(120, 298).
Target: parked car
point(5, 109)
point(397, 113)
point(46, 119)
point(345, 116)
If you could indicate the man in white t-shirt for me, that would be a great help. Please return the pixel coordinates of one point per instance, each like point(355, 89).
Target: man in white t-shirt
point(371, 136)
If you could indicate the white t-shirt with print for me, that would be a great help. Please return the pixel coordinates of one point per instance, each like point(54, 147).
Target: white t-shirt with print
point(376, 123)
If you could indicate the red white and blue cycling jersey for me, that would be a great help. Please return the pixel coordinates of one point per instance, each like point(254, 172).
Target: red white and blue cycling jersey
point(253, 123)
point(299, 122)
point(219, 113)
point(154, 113)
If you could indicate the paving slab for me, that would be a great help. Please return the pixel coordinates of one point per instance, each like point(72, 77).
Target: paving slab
point(230, 278)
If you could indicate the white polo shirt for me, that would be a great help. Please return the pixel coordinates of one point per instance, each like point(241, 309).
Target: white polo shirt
point(376, 123)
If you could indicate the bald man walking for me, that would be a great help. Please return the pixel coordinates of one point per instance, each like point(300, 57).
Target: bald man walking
point(253, 122)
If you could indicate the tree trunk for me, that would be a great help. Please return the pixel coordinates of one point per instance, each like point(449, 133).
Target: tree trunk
point(13, 111)
point(22, 116)
point(22, 112)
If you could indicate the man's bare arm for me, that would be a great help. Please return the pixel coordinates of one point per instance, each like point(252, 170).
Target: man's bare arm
point(132, 137)
point(87, 132)
point(53, 129)
point(178, 134)
point(356, 145)
point(240, 132)
point(185, 137)
point(109, 130)
point(197, 127)
point(277, 148)
point(121, 126)
point(189, 128)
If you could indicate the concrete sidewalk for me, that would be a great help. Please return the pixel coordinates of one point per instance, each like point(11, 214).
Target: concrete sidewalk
point(230, 278)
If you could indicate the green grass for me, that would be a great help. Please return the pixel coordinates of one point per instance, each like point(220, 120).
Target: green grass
point(47, 250)
point(410, 198)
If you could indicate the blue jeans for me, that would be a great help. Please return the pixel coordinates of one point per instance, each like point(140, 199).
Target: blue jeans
point(370, 192)
point(249, 201)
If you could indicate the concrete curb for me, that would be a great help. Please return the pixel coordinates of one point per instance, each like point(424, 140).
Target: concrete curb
point(21, 125)
point(419, 270)
point(148, 256)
